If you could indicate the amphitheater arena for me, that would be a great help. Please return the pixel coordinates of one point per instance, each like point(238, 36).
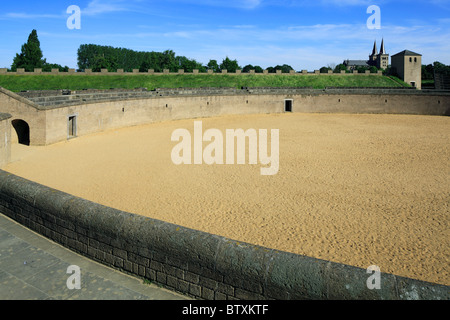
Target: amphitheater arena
point(362, 181)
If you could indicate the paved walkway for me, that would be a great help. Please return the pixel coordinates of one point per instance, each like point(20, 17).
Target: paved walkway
point(35, 268)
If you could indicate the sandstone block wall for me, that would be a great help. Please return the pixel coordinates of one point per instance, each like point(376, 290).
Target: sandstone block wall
point(95, 116)
point(22, 109)
point(48, 116)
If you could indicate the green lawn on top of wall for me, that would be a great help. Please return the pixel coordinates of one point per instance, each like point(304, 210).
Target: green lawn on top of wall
point(17, 83)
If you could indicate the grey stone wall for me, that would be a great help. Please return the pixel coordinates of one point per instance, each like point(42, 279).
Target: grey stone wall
point(192, 262)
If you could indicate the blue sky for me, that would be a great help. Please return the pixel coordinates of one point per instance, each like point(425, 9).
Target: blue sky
point(303, 34)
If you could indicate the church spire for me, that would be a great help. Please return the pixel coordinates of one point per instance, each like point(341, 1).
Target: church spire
point(374, 51)
point(382, 50)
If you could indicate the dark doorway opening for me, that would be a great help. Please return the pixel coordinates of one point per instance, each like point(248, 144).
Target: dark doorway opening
point(288, 105)
point(72, 123)
point(22, 130)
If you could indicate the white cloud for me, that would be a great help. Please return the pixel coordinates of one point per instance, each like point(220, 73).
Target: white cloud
point(96, 7)
point(239, 4)
point(22, 15)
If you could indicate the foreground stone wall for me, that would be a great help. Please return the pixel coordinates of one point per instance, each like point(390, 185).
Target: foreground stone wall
point(5, 138)
point(192, 262)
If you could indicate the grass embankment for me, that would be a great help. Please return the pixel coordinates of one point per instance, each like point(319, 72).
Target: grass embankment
point(19, 83)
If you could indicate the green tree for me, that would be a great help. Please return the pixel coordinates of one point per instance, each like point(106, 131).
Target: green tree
point(324, 69)
point(188, 65)
point(31, 56)
point(339, 68)
point(284, 69)
point(229, 65)
point(373, 69)
point(47, 67)
point(441, 68)
point(168, 61)
point(213, 65)
point(99, 62)
point(249, 67)
point(428, 72)
point(258, 69)
point(362, 69)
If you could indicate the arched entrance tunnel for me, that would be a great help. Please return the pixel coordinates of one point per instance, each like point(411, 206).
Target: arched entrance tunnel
point(21, 132)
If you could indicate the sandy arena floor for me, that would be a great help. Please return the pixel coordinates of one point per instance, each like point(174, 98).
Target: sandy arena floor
point(356, 189)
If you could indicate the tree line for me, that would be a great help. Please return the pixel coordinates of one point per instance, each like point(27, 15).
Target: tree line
point(96, 57)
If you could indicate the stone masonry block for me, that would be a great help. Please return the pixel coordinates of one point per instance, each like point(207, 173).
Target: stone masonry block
point(208, 283)
point(192, 277)
point(128, 266)
point(247, 295)
point(225, 288)
point(172, 282)
point(207, 294)
point(220, 296)
point(161, 277)
point(120, 253)
point(182, 286)
point(195, 290)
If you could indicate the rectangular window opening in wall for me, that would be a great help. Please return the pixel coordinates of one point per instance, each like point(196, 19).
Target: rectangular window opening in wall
point(288, 105)
point(72, 123)
point(413, 84)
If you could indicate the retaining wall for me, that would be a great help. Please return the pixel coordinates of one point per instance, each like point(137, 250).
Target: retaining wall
point(99, 113)
point(47, 116)
point(196, 263)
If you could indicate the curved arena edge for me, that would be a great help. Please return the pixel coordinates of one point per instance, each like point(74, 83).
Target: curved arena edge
point(193, 262)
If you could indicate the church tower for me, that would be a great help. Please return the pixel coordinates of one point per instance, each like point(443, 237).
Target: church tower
point(382, 60)
point(373, 56)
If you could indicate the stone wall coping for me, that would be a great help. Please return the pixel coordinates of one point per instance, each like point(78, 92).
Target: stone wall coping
point(5, 116)
point(79, 97)
point(19, 98)
point(105, 72)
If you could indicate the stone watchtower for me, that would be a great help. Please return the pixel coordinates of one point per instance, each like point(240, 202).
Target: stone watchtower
point(407, 65)
point(379, 60)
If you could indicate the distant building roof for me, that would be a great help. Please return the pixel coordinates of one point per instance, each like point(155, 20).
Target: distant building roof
point(356, 63)
point(407, 53)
